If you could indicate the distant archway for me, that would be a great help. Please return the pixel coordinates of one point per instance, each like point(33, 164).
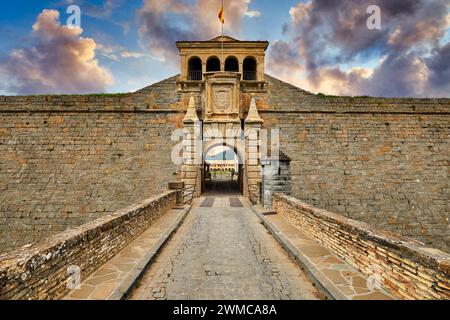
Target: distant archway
point(213, 65)
point(195, 69)
point(250, 68)
point(232, 64)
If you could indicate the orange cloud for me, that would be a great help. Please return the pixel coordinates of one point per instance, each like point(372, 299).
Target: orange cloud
point(58, 61)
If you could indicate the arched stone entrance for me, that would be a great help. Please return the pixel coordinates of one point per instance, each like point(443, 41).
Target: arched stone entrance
point(222, 175)
point(222, 126)
point(231, 71)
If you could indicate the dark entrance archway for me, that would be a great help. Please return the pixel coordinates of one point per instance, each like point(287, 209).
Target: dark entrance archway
point(222, 171)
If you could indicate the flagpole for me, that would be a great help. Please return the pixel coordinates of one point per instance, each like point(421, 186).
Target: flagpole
point(223, 8)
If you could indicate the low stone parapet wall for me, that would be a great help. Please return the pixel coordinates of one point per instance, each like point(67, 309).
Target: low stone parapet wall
point(43, 271)
point(404, 267)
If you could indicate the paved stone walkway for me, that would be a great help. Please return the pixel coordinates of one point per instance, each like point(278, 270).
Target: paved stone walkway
point(116, 275)
point(223, 253)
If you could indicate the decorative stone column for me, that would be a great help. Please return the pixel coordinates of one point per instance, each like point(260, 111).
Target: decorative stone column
point(192, 148)
point(253, 124)
point(203, 70)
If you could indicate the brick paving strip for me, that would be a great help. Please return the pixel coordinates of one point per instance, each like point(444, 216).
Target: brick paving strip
point(117, 277)
point(207, 203)
point(223, 253)
point(235, 203)
point(331, 274)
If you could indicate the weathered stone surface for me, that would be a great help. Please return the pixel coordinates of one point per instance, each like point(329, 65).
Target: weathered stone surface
point(61, 169)
point(380, 161)
point(276, 178)
point(66, 160)
point(408, 268)
point(221, 253)
point(41, 271)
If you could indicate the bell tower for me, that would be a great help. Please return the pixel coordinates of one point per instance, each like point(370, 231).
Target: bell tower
point(246, 59)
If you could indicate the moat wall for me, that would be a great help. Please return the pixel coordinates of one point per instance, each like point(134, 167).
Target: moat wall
point(67, 160)
point(42, 271)
point(400, 265)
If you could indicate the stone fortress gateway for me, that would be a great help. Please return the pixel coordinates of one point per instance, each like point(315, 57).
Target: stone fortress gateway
point(219, 71)
point(68, 160)
point(386, 135)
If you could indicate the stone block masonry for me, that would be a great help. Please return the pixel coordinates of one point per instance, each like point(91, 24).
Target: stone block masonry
point(381, 161)
point(41, 271)
point(387, 170)
point(402, 266)
point(67, 160)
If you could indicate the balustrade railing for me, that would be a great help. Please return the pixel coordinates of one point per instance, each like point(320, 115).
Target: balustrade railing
point(188, 194)
point(249, 75)
point(195, 75)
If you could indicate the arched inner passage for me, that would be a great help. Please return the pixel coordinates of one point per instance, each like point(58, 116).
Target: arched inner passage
point(213, 65)
point(232, 64)
point(195, 69)
point(250, 68)
point(222, 171)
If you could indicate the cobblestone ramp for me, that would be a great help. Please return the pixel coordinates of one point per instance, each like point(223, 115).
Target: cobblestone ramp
point(222, 252)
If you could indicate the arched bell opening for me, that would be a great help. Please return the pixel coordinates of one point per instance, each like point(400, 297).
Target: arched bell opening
point(213, 64)
point(232, 64)
point(250, 68)
point(195, 69)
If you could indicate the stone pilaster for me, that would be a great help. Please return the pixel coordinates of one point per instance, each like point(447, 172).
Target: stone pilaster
point(253, 124)
point(192, 147)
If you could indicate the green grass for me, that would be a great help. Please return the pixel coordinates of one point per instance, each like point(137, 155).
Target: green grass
point(105, 94)
point(323, 95)
point(119, 94)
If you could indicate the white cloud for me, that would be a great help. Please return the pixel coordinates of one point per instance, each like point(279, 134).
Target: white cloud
point(117, 53)
point(253, 14)
point(160, 25)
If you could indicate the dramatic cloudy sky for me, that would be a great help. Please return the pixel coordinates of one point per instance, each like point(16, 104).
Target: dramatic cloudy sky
point(319, 45)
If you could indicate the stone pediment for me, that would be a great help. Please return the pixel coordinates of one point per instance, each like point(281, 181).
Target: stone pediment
point(224, 39)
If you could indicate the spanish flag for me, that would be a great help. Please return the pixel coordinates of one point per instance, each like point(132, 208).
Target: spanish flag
point(222, 15)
